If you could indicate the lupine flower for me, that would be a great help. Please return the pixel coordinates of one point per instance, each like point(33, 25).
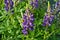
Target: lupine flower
point(8, 5)
point(34, 3)
point(57, 6)
point(48, 18)
point(27, 21)
point(57, 15)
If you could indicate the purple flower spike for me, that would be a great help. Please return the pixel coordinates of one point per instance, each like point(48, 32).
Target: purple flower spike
point(57, 6)
point(48, 20)
point(8, 5)
point(34, 3)
point(28, 20)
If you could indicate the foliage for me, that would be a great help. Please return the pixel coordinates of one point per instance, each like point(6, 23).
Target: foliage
point(11, 23)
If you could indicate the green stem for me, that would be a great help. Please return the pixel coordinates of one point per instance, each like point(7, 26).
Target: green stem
point(45, 32)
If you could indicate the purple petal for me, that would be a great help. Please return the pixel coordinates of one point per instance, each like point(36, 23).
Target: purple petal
point(24, 32)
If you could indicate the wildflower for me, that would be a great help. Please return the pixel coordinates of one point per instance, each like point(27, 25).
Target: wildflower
point(57, 6)
point(57, 12)
point(8, 5)
point(34, 3)
point(27, 21)
point(48, 18)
